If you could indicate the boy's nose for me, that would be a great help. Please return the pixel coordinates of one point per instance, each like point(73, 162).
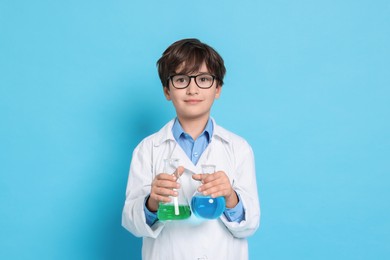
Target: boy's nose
point(192, 87)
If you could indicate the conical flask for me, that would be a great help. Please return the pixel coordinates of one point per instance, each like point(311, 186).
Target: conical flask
point(205, 206)
point(178, 208)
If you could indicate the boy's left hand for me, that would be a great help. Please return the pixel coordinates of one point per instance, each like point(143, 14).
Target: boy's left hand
point(217, 184)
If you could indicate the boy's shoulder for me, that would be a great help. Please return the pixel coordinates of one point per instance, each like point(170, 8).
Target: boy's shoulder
point(228, 136)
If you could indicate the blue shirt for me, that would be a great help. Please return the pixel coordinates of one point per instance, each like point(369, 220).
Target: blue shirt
point(194, 149)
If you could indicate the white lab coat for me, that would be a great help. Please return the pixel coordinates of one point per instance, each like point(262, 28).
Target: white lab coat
point(192, 238)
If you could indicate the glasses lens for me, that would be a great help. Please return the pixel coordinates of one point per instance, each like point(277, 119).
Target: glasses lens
point(204, 80)
point(180, 81)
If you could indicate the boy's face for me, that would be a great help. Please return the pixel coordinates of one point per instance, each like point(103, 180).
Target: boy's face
point(193, 102)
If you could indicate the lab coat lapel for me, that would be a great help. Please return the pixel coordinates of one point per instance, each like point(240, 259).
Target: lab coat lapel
point(184, 160)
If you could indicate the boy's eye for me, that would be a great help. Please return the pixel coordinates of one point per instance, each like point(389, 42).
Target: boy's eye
point(180, 79)
point(205, 78)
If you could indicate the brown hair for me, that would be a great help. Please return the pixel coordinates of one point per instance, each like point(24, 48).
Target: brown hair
point(190, 53)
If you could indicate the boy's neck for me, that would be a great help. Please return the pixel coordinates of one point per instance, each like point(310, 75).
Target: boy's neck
point(193, 127)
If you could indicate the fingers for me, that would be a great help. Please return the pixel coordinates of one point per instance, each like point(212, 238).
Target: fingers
point(216, 191)
point(165, 177)
point(162, 198)
point(179, 171)
point(164, 185)
point(200, 177)
point(215, 185)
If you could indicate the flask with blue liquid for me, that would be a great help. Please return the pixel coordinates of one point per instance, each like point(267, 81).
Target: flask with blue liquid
point(207, 207)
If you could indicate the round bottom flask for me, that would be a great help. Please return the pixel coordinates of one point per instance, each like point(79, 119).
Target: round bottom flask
point(205, 206)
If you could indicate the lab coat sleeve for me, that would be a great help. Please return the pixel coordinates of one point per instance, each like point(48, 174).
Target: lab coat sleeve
point(138, 187)
point(244, 183)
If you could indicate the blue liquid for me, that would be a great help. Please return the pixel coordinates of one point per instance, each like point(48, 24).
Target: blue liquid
point(207, 207)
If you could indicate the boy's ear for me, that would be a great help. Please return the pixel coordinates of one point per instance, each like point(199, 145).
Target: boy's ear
point(218, 91)
point(167, 94)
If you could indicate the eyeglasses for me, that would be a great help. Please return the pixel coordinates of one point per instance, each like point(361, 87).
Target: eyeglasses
point(182, 81)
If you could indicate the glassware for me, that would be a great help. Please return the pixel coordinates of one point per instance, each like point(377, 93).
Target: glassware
point(203, 80)
point(205, 206)
point(178, 208)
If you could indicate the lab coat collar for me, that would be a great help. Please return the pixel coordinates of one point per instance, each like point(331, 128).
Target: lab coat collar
point(165, 134)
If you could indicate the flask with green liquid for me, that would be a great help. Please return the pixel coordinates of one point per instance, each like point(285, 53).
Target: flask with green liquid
point(178, 208)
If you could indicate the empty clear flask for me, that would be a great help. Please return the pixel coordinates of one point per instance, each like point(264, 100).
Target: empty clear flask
point(178, 208)
point(205, 206)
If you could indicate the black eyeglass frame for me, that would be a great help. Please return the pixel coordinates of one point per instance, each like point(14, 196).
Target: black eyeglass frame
point(191, 77)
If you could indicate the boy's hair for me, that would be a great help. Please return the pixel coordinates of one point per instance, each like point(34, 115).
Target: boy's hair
point(190, 53)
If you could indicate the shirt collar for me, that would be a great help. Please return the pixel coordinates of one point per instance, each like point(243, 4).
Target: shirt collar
point(177, 129)
point(166, 133)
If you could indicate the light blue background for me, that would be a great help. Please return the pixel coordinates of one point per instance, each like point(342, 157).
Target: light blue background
point(307, 85)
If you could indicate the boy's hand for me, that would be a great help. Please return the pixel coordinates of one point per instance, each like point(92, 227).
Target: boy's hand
point(217, 184)
point(162, 187)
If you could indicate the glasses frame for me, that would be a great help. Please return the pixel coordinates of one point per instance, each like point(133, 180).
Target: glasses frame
point(191, 77)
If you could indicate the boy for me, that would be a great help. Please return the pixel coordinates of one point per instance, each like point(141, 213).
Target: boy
point(192, 73)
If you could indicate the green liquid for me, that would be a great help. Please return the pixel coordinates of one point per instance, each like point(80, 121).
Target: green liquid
point(167, 212)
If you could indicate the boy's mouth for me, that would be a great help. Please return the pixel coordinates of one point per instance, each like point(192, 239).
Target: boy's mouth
point(192, 101)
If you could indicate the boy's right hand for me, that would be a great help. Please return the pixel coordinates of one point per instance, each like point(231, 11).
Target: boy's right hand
point(163, 186)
